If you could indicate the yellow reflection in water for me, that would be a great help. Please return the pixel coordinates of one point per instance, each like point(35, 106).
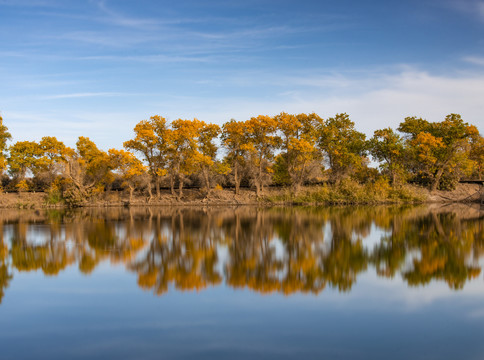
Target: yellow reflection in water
point(284, 250)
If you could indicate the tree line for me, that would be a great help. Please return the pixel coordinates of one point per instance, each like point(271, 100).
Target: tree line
point(287, 149)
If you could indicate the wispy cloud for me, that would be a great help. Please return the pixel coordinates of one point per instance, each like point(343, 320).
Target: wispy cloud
point(163, 37)
point(254, 32)
point(476, 60)
point(86, 94)
point(29, 3)
point(155, 58)
point(17, 54)
point(112, 40)
point(474, 8)
point(195, 55)
point(119, 19)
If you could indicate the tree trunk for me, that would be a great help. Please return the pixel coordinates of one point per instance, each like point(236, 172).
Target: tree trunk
point(157, 183)
point(150, 191)
point(237, 180)
point(172, 183)
point(206, 178)
point(258, 188)
point(259, 185)
point(180, 189)
point(107, 192)
point(131, 191)
point(436, 182)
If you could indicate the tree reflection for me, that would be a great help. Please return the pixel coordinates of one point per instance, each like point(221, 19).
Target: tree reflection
point(50, 255)
point(445, 251)
point(182, 251)
point(5, 274)
point(285, 250)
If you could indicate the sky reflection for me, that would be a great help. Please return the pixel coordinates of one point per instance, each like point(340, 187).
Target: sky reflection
point(214, 269)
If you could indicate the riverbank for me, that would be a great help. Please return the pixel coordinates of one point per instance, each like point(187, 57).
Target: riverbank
point(348, 193)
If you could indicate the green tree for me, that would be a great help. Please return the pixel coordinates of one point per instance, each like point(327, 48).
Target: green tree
point(388, 148)
point(343, 146)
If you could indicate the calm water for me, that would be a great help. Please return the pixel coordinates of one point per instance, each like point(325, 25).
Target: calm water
point(332, 283)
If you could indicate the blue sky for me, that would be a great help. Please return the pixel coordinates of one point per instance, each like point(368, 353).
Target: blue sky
point(95, 68)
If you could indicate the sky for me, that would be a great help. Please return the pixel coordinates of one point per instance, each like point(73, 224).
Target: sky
point(95, 68)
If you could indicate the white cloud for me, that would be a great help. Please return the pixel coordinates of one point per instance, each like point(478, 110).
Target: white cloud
point(373, 101)
point(414, 93)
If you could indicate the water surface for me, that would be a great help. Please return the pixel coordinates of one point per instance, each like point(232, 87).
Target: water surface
point(338, 283)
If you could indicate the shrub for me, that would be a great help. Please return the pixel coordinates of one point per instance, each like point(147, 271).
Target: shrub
point(54, 195)
point(22, 186)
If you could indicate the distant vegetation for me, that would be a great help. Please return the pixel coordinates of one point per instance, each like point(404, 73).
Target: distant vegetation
point(286, 150)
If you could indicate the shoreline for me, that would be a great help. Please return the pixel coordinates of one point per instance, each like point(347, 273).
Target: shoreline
point(308, 196)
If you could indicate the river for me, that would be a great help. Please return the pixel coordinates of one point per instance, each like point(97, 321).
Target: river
point(224, 282)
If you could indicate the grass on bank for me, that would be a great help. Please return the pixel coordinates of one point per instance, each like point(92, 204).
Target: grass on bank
point(350, 192)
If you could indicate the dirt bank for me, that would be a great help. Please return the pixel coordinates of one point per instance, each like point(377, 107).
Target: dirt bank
point(463, 193)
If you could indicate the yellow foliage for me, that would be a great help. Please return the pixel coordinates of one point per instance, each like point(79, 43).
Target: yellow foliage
point(22, 186)
point(222, 168)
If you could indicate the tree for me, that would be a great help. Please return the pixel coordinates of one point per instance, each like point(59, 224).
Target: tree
point(4, 137)
point(299, 155)
point(477, 156)
point(184, 154)
point(262, 142)
point(234, 141)
point(52, 160)
point(151, 140)
point(438, 149)
point(388, 147)
point(131, 169)
point(208, 152)
point(24, 157)
point(88, 168)
point(343, 146)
